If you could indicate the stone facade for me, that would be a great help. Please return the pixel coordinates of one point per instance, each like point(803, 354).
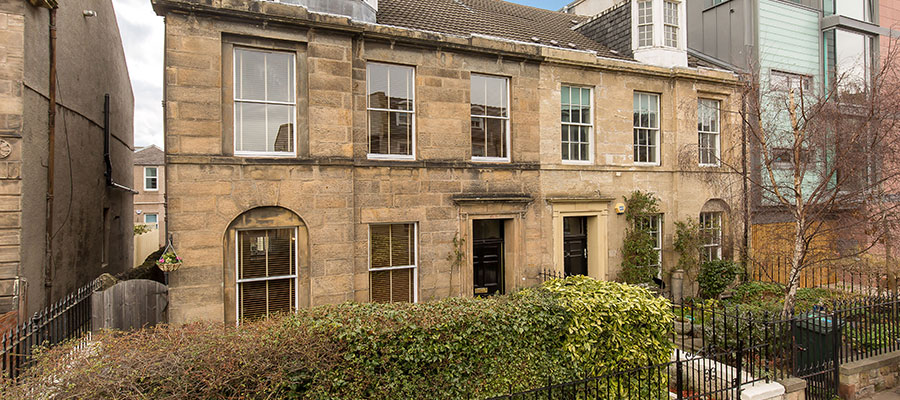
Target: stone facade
point(335, 191)
point(92, 231)
point(862, 379)
point(12, 64)
point(150, 201)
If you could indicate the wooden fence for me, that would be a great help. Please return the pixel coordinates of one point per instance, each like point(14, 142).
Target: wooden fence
point(133, 304)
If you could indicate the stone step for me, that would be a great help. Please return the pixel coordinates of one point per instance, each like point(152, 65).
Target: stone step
point(688, 343)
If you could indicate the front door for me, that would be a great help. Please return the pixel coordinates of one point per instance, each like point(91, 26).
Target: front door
point(575, 245)
point(487, 256)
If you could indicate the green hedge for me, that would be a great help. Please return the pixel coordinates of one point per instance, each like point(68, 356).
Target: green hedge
point(450, 349)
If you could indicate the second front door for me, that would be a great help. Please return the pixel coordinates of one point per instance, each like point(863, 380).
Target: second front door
point(487, 257)
point(575, 246)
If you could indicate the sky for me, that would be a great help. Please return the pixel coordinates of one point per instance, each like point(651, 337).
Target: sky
point(142, 36)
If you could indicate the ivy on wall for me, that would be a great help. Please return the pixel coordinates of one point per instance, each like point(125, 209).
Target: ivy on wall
point(638, 254)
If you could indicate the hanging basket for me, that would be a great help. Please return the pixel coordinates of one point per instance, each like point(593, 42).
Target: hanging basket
point(169, 261)
point(167, 266)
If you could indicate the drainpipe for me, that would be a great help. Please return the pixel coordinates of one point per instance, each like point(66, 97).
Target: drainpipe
point(51, 156)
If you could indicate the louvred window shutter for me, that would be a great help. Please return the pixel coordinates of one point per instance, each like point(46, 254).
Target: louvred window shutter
point(268, 257)
point(392, 246)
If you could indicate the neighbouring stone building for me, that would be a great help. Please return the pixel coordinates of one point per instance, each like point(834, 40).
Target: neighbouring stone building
point(90, 228)
point(150, 200)
point(411, 150)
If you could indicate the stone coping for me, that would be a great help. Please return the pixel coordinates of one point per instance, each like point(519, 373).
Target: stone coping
point(793, 384)
point(855, 367)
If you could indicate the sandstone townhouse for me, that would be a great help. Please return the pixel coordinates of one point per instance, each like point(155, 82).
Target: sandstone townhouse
point(407, 150)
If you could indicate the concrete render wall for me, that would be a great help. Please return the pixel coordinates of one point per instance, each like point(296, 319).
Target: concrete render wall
point(87, 69)
point(336, 191)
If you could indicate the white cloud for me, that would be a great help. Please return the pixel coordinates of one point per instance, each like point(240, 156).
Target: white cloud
point(142, 36)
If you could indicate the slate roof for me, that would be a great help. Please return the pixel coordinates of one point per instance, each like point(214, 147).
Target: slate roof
point(150, 155)
point(503, 20)
point(490, 18)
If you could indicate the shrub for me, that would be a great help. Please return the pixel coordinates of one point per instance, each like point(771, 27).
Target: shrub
point(638, 252)
point(453, 348)
point(450, 349)
point(140, 229)
point(715, 276)
point(196, 361)
point(614, 325)
point(687, 243)
point(770, 296)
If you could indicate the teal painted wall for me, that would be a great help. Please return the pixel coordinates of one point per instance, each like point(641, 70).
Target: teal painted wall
point(789, 41)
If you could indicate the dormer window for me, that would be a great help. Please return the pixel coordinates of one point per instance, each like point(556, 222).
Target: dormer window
point(670, 8)
point(656, 32)
point(645, 23)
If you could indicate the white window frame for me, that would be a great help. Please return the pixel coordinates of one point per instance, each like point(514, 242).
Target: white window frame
point(148, 222)
point(648, 22)
point(236, 101)
point(589, 125)
point(507, 147)
point(785, 81)
point(711, 228)
point(411, 113)
point(237, 269)
point(656, 233)
point(667, 24)
point(147, 189)
point(414, 267)
point(655, 132)
point(716, 135)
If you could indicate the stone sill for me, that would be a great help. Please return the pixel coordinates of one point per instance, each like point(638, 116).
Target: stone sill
point(871, 363)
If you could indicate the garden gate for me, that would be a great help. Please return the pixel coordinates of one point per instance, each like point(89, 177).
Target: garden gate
point(131, 304)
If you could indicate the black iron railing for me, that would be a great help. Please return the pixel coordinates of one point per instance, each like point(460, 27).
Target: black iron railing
point(68, 318)
point(720, 348)
point(870, 326)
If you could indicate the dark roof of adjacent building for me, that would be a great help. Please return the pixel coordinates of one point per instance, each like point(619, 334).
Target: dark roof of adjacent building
point(150, 155)
point(493, 18)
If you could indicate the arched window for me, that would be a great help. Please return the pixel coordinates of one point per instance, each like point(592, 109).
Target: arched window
point(266, 261)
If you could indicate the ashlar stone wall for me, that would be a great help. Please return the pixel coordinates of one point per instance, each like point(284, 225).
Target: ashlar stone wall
point(337, 191)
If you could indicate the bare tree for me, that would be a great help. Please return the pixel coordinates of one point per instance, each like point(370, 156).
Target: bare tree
point(823, 159)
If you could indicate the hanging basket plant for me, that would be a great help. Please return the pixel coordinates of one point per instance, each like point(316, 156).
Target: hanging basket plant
point(169, 261)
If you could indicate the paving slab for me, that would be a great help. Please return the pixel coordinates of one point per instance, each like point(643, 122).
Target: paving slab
point(893, 394)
